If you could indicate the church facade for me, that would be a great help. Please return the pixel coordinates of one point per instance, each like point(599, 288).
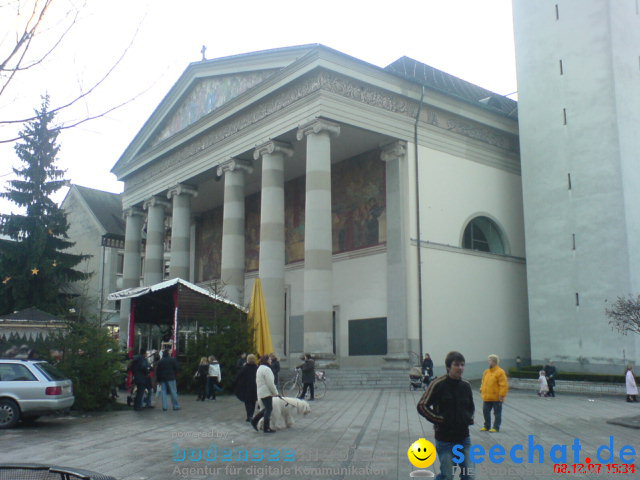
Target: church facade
point(380, 207)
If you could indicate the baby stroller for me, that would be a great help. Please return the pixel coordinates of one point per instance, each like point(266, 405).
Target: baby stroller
point(415, 379)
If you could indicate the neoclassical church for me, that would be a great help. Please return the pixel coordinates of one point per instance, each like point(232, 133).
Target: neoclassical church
point(381, 207)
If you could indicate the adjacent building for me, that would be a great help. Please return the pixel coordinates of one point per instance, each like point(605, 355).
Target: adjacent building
point(97, 228)
point(578, 65)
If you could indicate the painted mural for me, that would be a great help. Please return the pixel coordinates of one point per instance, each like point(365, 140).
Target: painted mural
point(358, 202)
point(206, 95)
point(252, 232)
point(358, 216)
point(209, 245)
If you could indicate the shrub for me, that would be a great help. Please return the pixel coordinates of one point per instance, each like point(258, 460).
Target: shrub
point(91, 359)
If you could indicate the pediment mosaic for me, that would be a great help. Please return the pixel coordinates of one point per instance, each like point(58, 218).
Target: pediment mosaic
point(204, 96)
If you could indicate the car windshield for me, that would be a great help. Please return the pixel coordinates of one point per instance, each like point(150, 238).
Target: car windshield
point(50, 371)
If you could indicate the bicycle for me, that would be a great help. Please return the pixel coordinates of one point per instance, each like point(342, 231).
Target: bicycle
point(293, 387)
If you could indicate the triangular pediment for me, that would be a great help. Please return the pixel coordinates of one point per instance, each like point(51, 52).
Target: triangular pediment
point(203, 97)
point(203, 88)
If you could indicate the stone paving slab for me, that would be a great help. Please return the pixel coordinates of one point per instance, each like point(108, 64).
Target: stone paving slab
point(350, 434)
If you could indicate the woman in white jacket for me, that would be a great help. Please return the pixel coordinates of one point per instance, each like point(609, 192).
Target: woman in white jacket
point(266, 390)
point(632, 388)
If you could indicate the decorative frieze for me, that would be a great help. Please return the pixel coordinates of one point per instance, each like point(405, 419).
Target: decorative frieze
point(323, 80)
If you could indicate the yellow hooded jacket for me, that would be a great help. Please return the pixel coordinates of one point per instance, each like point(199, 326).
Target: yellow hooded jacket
point(494, 384)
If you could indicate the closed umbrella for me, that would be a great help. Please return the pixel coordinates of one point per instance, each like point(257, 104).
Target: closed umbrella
point(259, 321)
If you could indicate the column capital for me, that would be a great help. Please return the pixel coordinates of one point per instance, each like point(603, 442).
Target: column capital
point(317, 125)
point(155, 202)
point(393, 151)
point(234, 164)
point(272, 146)
point(182, 189)
point(132, 212)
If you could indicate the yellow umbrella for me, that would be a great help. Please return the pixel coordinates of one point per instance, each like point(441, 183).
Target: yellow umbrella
point(259, 320)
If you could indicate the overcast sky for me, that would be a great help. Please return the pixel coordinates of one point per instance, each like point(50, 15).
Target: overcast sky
point(471, 39)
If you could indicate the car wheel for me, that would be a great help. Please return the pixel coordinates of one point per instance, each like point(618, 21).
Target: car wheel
point(9, 413)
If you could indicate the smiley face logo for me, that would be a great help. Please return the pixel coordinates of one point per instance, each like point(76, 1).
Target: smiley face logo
point(422, 453)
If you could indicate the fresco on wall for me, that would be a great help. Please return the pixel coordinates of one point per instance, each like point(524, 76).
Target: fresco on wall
point(294, 196)
point(206, 95)
point(358, 216)
point(251, 232)
point(358, 207)
point(209, 245)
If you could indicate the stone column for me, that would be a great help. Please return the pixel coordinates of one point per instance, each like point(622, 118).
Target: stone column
point(318, 304)
point(272, 256)
point(397, 345)
point(154, 252)
point(131, 267)
point(180, 230)
point(232, 265)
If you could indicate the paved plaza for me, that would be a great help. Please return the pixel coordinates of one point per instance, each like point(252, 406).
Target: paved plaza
point(350, 434)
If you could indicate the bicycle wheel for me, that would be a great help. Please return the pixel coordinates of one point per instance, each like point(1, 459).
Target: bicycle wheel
point(320, 388)
point(291, 389)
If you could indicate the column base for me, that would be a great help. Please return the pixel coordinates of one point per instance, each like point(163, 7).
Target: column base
point(397, 361)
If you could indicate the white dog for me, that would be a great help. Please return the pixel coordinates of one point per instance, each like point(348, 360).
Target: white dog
point(283, 409)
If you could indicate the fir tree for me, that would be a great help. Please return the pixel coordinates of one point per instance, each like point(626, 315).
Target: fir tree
point(34, 269)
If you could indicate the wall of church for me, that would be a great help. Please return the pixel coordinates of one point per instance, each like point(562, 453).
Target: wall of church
point(475, 302)
point(358, 213)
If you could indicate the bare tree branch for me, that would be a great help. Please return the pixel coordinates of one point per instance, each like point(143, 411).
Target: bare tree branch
point(88, 92)
point(624, 315)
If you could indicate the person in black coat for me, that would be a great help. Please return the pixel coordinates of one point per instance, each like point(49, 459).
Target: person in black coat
point(275, 367)
point(427, 368)
point(550, 372)
point(166, 373)
point(308, 376)
point(246, 389)
point(140, 369)
point(201, 378)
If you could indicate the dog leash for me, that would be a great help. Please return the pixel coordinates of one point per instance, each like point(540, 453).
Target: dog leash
point(287, 403)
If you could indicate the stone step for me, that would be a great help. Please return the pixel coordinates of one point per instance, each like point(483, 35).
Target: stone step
point(344, 378)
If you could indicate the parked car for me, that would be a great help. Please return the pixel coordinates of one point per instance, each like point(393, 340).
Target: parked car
point(31, 388)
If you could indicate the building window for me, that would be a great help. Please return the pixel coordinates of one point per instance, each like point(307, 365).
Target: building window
point(483, 234)
point(119, 263)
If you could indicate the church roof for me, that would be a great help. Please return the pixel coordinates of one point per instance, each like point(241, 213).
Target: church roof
point(107, 208)
point(443, 82)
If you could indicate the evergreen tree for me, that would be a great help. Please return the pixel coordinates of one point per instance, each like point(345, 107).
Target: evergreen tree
point(34, 269)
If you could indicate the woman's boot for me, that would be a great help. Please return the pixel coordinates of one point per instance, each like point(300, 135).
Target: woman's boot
point(267, 427)
point(256, 419)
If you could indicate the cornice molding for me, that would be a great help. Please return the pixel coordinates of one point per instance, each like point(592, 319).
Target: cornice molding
point(322, 81)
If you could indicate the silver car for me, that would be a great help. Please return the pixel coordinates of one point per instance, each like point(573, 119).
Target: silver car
point(30, 388)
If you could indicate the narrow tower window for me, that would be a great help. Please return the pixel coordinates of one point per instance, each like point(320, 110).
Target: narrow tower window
point(557, 13)
point(573, 239)
point(577, 299)
point(569, 180)
point(564, 116)
point(561, 69)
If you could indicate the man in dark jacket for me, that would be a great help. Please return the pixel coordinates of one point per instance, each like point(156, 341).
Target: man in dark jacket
point(140, 368)
point(166, 372)
point(448, 404)
point(308, 376)
point(550, 372)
